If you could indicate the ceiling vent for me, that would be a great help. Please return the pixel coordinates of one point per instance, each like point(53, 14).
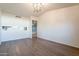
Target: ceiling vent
point(18, 16)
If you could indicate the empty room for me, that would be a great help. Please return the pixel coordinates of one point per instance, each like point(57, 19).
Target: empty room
point(39, 29)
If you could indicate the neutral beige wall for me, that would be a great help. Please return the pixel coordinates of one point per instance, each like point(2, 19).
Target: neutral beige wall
point(60, 25)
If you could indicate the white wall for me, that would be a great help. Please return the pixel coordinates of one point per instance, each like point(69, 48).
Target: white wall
point(60, 25)
point(17, 27)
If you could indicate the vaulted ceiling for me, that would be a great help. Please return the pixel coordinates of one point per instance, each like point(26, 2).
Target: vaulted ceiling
point(26, 9)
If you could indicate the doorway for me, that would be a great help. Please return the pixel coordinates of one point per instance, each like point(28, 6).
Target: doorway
point(34, 28)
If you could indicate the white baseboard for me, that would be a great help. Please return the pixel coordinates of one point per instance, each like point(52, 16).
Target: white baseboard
point(58, 42)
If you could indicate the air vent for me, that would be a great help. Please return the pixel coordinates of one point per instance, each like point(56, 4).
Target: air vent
point(18, 16)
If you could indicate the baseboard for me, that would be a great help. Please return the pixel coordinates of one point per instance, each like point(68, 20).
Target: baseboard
point(16, 39)
point(59, 43)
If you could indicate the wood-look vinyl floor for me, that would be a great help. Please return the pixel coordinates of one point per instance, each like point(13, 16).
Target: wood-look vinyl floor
point(36, 47)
